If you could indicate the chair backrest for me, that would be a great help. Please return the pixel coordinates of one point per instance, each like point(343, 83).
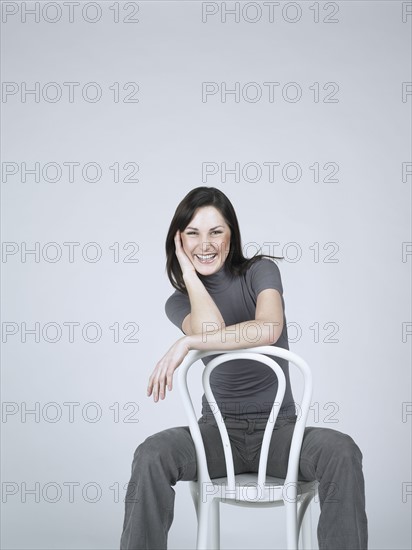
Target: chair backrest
point(263, 359)
point(260, 353)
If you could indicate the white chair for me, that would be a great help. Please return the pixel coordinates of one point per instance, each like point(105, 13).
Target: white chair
point(252, 490)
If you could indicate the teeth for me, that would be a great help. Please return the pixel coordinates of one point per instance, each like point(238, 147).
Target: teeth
point(208, 257)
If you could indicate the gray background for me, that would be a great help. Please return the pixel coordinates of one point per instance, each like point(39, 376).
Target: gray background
point(362, 379)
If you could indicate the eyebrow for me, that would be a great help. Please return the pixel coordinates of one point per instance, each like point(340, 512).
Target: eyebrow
point(211, 229)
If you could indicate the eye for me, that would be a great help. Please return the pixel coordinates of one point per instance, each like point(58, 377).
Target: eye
point(216, 232)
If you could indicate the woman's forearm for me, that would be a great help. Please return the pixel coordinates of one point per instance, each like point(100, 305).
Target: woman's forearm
point(248, 334)
point(205, 316)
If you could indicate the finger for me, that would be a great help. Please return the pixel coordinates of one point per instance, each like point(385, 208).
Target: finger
point(162, 387)
point(155, 384)
point(169, 379)
point(150, 385)
point(155, 392)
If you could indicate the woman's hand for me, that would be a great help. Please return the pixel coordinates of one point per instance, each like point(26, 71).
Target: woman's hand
point(163, 372)
point(185, 263)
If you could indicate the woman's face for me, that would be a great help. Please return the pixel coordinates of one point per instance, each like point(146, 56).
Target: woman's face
point(206, 240)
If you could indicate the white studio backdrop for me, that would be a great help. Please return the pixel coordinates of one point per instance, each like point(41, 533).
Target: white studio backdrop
point(111, 112)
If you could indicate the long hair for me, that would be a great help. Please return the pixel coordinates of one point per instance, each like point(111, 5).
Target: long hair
point(235, 262)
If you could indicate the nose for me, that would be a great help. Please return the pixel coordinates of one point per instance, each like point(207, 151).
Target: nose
point(207, 247)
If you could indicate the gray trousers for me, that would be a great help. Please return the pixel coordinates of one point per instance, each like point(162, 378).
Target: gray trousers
point(327, 455)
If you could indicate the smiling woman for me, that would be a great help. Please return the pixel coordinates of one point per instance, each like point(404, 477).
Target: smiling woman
point(224, 301)
point(208, 247)
point(207, 224)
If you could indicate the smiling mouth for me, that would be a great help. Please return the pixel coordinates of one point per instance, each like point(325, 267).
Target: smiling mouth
point(206, 258)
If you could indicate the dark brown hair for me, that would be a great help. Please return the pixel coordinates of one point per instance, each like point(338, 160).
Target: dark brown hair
point(235, 262)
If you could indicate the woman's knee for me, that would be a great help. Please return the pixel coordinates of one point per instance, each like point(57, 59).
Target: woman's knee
point(159, 452)
point(326, 444)
point(343, 447)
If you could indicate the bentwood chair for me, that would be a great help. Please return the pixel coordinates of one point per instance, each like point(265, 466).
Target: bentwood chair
point(250, 489)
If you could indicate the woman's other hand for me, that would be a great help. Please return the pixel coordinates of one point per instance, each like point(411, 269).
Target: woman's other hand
point(163, 372)
point(185, 263)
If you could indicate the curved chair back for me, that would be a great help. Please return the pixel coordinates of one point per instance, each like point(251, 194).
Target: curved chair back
point(218, 416)
point(226, 355)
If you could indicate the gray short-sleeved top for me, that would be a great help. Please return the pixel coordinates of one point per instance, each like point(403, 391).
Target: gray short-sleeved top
point(240, 389)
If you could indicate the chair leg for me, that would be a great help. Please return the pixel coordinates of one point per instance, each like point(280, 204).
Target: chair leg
point(291, 525)
point(305, 521)
point(215, 525)
point(306, 529)
point(194, 491)
point(203, 520)
point(208, 527)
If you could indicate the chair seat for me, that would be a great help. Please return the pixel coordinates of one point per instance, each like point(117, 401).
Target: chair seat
point(248, 493)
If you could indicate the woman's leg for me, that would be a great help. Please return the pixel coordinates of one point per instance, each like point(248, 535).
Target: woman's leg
point(334, 459)
point(159, 462)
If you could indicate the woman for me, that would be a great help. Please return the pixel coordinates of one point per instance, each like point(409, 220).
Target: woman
point(224, 301)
